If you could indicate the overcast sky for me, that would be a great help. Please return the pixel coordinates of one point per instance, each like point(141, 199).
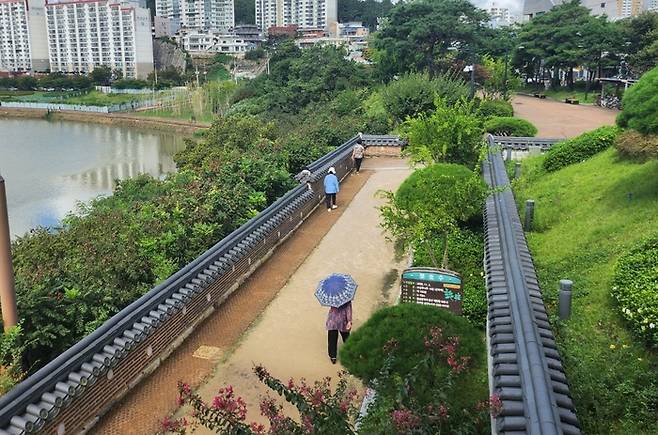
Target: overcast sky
point(515, 6)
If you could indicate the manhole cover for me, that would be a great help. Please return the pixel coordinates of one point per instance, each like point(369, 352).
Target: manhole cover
point(207, 352)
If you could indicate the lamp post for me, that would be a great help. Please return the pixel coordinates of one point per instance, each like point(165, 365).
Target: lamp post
point(471, 92)
point(7, 290)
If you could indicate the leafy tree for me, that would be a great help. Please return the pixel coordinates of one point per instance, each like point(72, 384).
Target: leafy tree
point(500, 79)
point(26, 83)
point(640, 105)
point(101, 75)
point(418, 34)
point(409, 96)
point(245, 12)
point(640, 42)
point(450, 134)
point(430, 205)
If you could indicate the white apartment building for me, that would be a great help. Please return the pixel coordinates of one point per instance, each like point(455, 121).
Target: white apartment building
point(14, 36)
point(83, 34)
point(500, 17)
point(217, 15)
point(23, 38)
point(306, 14)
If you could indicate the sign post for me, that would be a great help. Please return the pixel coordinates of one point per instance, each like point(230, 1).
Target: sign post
point(431, 286)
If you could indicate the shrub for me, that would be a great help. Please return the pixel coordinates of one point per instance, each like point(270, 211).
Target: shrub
point(409, 96)
point(636, 292)
point(363, 354)
point(495, 108)
point(509, 126)
point(635, 145)
point(579, 148)
point(640, 105)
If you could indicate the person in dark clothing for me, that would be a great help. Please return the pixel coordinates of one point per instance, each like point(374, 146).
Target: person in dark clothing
point(338, 320)
point(357, 153)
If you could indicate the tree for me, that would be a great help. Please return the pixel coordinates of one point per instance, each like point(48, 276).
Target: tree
point(562, 38)
point(101, 75)
point(245, 12)
point(429, 206)
point(640, 42)
point(418, 34)
point(500, 79)
point(450, 134)
point(366, 11)
point(26, 83)
point(640, 105)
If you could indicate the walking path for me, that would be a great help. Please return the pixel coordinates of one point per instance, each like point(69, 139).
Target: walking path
point(290, 339)
point(557, 119)
point(287, 334)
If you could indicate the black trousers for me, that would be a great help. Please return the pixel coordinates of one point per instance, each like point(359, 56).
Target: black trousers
point(330, 199)
point(333, 341)
point(357, 164)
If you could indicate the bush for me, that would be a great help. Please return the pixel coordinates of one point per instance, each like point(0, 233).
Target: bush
point(640, 105)
point(579, 148)
point(495, 108)
point(409, 96)
point(509, 126)
point(636, 292)
point(363, 354)
point(635, 145)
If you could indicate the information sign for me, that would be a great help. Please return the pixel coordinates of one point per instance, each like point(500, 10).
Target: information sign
point(432, 286)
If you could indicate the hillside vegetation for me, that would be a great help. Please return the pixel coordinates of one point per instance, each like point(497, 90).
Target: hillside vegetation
point(588, 215)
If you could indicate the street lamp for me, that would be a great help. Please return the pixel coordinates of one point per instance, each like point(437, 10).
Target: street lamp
point(7, 289)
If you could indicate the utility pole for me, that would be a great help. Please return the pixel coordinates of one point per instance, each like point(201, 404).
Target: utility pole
point(7, 289)
point(471, 93)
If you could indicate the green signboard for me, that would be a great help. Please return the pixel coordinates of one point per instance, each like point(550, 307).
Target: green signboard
point(432, 286)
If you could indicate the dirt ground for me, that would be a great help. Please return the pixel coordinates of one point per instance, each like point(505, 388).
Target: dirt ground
point(560, 120)
point(218, 339)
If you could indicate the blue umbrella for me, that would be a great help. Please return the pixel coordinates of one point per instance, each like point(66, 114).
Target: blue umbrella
point(335, 290)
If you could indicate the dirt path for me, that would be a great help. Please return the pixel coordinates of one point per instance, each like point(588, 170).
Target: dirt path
point(557, 119)
point(142, 410)
point(290, 339)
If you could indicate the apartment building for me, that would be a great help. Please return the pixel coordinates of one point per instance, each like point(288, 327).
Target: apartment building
point(83, 34)
point(216, 15)
point(23, 38)
point(306, 14)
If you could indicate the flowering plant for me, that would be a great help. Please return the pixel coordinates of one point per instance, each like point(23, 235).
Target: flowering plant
point(320, 409)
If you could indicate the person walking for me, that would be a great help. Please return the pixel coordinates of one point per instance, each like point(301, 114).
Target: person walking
point(305, 177)
point(338, 320)
point(331, 188)
point(357, 153)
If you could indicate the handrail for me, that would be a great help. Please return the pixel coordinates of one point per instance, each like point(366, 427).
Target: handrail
point(58, 370)
point(525, 366)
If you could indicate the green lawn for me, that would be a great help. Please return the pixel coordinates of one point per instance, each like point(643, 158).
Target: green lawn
point(587, 215)
point(562, 93)
point(218, 73)
point(91, 98)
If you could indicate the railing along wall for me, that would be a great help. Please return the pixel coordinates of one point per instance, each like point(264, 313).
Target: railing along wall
point(525, 368)
point(70, 393)
point(524, 143)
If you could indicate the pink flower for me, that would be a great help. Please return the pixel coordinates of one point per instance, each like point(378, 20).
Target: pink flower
point(404, 420)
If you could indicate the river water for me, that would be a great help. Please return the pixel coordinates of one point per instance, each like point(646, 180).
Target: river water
point(49, 166)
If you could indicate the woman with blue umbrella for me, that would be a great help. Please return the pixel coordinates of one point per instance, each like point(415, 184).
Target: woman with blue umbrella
point(336, 292)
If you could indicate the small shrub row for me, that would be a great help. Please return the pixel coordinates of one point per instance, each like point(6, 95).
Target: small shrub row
point(636, 292)
point(580, 148)
point(498, 108)
point(635, 145)
point(509, 126)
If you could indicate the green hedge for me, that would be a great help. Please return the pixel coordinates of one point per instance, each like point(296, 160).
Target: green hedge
point(636, 289)
point(640, 105)
point(495, 108)
point(509, 126)
point(363, 355)
point(580, 148)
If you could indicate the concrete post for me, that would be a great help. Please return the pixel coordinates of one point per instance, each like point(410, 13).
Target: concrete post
point(564, 302)
point(517, 170)
point(508, 154)
point(529, 214)
point(7, 290)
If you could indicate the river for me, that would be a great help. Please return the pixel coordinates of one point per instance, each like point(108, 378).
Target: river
point(49, 166)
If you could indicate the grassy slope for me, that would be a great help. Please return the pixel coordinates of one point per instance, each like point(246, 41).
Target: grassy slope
point(585, 220)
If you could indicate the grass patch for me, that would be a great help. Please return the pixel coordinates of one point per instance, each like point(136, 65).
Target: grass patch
point(219, 73)
point(586, 216)
point(91, 98)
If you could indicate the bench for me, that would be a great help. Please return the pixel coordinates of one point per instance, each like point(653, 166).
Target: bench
point(571, 101)
point(539, 95)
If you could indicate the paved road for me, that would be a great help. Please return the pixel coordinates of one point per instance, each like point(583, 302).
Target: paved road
point(277, 302)
point(556, 119)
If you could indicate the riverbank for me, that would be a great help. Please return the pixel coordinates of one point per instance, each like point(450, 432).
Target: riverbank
point(118, 119)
